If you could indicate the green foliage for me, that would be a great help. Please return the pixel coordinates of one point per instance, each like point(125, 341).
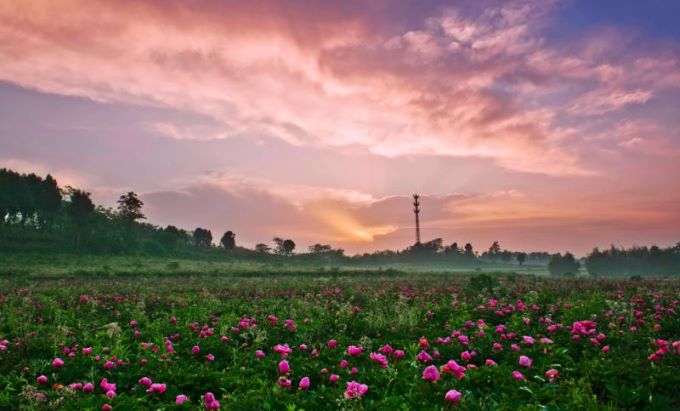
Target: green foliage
point(482, 282)
point(563, 265)
point(40, 318)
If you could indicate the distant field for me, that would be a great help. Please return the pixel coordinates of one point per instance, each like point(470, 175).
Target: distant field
point(67, 265)
point(391, 340)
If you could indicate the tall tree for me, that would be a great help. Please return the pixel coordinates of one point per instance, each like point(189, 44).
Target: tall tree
point(130, 207)
point(521, 257)
point(228, 240)
point(283, 247)
point(80, 209)
point(288, 247)
point(50, 200)
point(80, 205)
point(202, 237)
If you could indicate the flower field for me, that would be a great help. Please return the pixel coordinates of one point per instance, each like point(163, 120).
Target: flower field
point(425, 342)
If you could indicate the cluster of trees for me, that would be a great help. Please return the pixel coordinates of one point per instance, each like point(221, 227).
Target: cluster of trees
point(564, 264)
point(28, 198)
point(642, 261)
point(36, 214)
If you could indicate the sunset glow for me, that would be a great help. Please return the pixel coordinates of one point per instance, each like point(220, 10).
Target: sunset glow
point(518, 121)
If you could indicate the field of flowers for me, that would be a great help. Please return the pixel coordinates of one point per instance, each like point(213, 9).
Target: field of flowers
point(425, 342)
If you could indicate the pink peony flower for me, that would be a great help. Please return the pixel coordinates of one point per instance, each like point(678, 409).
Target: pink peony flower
point(106, 385)
point(332, 343)
point(333, 378)
point(156, 388)
point(525, 361)
point(110, 394)
point(106, 407)
point(88, 388)
point(490, 362)
point(424, 357)
point(195, 349)
point(284, 367)
point(399, 354)
point(57, 363)
point(304, 384)
point(386, 349)
point(42, 379)
point(354, 351)
point(431, 373)
point(454, 368)
point(453, 396)
point(380, 359)
point(86, 350)
point(518, 375)
point(259, 354)
point(290, 325)
point(552, 374)
point(283, 350)
point(181, 399)
point(355, 390)
point(145, 381)
point(284, 382)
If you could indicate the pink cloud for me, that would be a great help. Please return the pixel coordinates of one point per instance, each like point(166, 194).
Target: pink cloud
point(327, 81)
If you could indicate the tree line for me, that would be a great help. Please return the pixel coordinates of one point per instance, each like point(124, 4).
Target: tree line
point(38, 215)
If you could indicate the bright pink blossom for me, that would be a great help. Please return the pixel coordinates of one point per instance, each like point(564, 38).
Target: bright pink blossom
point(552, 374)
point(431, 373)
point(156, 388)
point(181, 399)
point(525, 361)
point(354, 350)
point(355, 390)
point(304, 384)
point(145, 381)
point(453, 396)
point(284, 367)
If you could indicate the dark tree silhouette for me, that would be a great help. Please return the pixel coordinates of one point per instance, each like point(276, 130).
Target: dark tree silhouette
point(320, 248)
point(288, 246)
point(284, 247)
point(563, 264)
point(228, 240)
point(80, 205)
point(202, 237)
point(50, 200)
point(453, 249)
point(280, 248)
point(521, 258)
point(262, 248)
point(130, 207)
point(469, 252)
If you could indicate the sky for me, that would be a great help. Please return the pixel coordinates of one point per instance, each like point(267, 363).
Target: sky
point(545, 125)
